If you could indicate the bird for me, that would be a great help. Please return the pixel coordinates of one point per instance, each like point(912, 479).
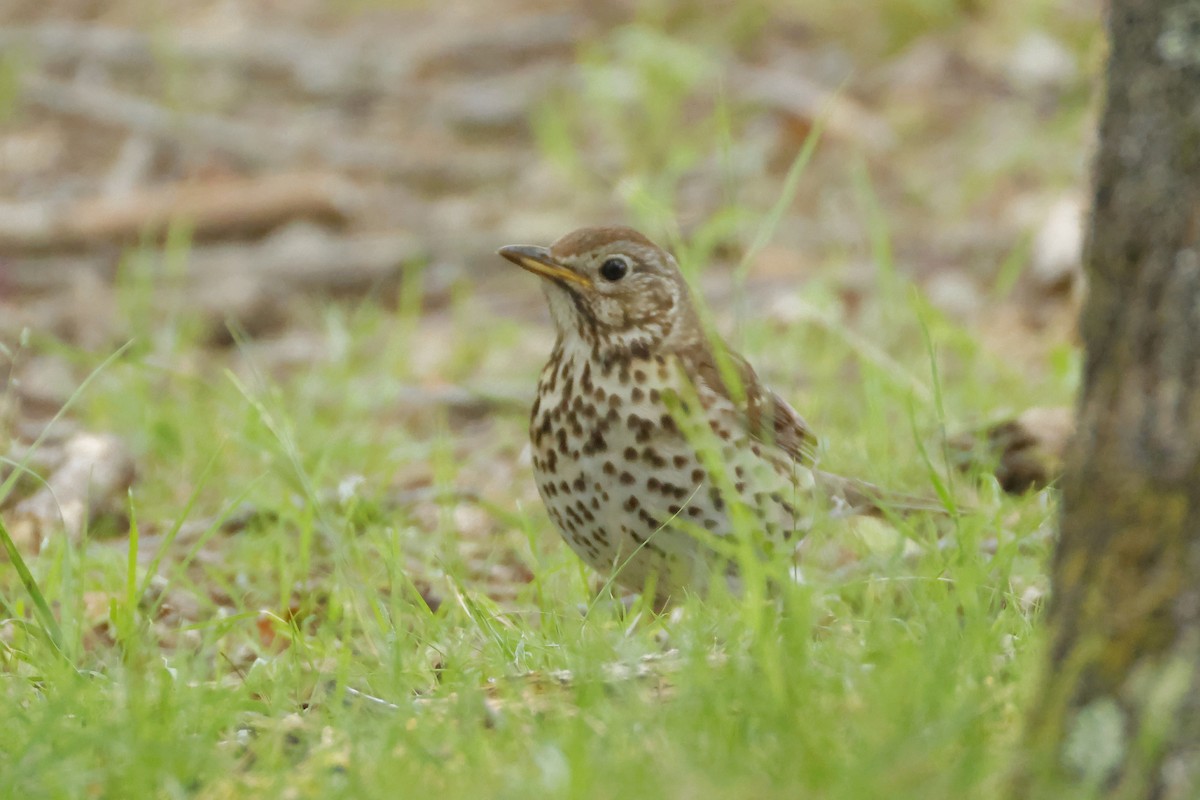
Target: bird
point(652, 441)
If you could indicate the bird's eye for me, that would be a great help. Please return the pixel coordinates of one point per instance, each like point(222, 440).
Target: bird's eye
point(613, 269)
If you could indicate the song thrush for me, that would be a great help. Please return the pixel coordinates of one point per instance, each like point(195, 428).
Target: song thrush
point(647, 432)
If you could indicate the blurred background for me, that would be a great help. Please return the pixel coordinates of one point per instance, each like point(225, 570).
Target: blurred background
point(287, 212)
point(326, 148)
point(265, 386)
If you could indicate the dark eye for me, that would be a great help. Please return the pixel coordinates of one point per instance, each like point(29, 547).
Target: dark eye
point(613, 269)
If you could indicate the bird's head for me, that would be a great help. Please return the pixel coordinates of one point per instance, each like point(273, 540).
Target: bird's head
point(613, 288)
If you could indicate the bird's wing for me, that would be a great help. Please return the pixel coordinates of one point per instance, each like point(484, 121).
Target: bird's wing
point(769, 419)
point(767, 416)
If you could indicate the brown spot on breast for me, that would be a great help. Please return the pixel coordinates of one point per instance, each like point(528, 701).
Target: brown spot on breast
point(627, 479)
point(584, 511)
point(542, 430)
point(652, 458)
point(595, 443)
point(648, 519)
point(715, 498)
point(642, 541)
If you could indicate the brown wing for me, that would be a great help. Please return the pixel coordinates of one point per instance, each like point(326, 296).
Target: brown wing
point(769, 419)
point(767, 416)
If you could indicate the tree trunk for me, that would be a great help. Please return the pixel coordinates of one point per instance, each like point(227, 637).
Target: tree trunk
point(1119, 710)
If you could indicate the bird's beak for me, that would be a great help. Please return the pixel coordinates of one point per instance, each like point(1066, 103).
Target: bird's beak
point(539, 261)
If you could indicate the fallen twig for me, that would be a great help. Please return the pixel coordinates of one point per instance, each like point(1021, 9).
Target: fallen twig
point(325, 64)
point(257, 145)
point(209, 209)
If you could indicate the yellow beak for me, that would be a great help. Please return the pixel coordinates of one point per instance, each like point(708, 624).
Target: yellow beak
point(538, 261)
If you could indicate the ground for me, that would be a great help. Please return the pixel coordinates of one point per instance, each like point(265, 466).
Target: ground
point(284, 540)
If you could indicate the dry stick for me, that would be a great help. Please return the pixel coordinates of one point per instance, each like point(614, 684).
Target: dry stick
point(320, 264)
point(280, 146)
point(220, 208)
point(324, 64)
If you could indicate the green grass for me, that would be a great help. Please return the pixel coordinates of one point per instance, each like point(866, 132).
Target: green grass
point(895, 671)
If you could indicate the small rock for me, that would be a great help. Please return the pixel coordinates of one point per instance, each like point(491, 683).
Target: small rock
point(95, 473)
point(1056, 263)
point(1041, 62)
point(955, 294)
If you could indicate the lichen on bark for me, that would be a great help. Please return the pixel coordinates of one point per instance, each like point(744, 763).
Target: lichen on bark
point(1124, 618)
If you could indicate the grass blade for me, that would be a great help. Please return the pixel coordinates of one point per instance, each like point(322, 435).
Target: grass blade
point(49, 625)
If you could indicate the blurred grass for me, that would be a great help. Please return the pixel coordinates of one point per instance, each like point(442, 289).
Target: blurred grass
point(901, 673)
point(897, 670)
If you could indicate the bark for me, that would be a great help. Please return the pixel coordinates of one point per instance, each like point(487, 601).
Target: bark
point(1119, 710)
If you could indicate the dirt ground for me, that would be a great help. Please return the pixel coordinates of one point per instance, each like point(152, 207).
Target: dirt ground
point(246, 159)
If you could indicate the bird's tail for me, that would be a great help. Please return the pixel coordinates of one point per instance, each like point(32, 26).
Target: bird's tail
point(852, 496)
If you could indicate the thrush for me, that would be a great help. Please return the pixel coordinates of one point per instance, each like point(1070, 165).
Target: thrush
point(652, 442)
